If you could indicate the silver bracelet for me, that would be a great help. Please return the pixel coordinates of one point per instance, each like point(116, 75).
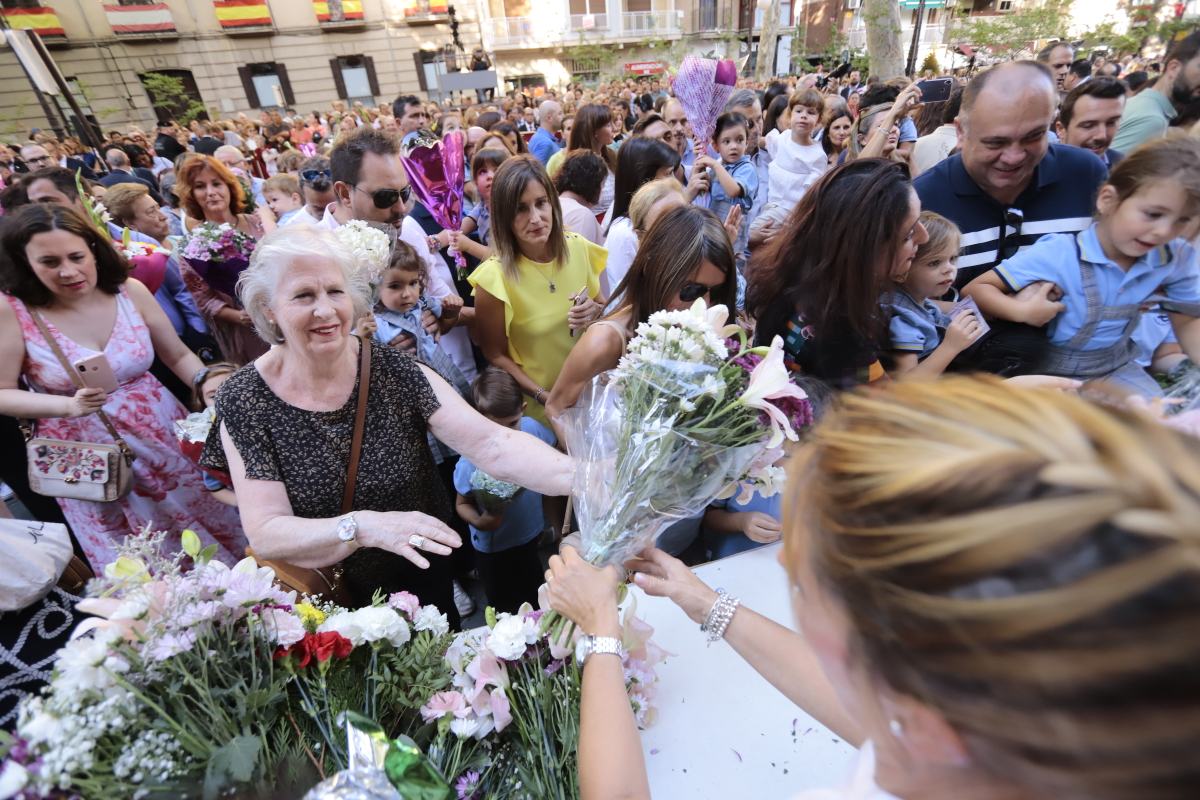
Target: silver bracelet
point(719, 616)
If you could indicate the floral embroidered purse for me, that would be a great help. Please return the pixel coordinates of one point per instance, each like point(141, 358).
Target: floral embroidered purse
point(78, 470)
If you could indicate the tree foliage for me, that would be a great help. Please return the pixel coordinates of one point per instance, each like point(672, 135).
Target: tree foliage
point(168, 92)
point(1013, 34)
point(931, 65)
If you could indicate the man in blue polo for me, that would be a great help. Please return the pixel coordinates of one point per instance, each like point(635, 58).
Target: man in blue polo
point(544, 142)
point(1009, 186)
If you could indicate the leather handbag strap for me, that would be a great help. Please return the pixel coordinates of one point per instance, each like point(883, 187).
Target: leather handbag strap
point(66, 365)
point(360, 423)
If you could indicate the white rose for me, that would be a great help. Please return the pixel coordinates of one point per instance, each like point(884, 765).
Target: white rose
point(428, 618)
point(346, 623)
point(510, 637)
point(285, 628)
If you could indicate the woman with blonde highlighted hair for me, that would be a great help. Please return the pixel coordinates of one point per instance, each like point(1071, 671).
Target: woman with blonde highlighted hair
point(997, 593)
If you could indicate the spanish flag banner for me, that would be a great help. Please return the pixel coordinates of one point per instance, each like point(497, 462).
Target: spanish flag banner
point(338, 10)
point(40, 19)
point(424, 8)
point(242, 13)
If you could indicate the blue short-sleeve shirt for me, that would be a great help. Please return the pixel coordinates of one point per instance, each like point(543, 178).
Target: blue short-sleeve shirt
point(908, 131)
point(746, 174)
point(1170, 270)
point(914, 327)
point(1153, 330)
point(523, 518)
point(1059, 199)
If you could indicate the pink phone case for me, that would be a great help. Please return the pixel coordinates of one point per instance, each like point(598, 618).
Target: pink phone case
point(97, 373)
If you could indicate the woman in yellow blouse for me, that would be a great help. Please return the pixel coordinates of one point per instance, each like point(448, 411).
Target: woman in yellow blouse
point(541, 289)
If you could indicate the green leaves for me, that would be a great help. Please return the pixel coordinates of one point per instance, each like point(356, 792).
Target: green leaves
point(232, 764)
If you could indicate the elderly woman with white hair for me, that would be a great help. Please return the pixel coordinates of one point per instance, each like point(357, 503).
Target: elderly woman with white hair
point(286, 423)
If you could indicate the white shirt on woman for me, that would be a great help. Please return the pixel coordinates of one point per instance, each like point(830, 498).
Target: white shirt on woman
point(622, 245)
point(860, 784)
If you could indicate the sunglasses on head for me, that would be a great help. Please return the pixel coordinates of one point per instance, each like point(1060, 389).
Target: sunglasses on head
point(386, 198)
point(692, 292)
point(314, 175)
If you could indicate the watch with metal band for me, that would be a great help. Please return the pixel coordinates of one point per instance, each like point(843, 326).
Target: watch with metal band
point(347, 528)
point(588, 646)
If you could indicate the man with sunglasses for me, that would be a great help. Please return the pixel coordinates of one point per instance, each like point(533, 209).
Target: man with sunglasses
point(316, 189)
point(369, 184)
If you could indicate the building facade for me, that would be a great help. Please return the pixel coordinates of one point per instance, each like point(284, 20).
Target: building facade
point(232, 55)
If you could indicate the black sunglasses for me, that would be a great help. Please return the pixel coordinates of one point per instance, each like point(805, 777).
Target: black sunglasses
point(691, 292)
point(1010, 243)
point(386, 198)
point(314, 175)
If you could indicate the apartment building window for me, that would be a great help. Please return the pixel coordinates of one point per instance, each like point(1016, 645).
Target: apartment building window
point(584, 70)
point(589, 6)
point(267, 85)
point(177, 107)
point(14, 4)
point(136, 2)
point(354, 77)
point(706, 16)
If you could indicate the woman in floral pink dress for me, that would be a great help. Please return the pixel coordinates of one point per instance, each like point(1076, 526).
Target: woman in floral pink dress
point(54, 263)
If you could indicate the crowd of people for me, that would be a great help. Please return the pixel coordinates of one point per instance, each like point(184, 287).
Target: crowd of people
point(1037, 224)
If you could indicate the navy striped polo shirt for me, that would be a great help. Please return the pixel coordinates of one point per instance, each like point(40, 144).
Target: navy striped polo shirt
point(1060, 198)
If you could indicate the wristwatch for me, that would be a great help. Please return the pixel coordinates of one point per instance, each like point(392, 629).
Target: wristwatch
point(588, 646)
point(347, 528)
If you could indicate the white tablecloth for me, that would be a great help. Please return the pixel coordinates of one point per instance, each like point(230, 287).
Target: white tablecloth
point(722, 730)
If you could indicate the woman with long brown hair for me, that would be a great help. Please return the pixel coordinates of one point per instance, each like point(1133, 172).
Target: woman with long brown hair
point(540, 288)
point(684, 256)
point(68, 292)
point(817, 283)
point(996, 593)
point(592, 130)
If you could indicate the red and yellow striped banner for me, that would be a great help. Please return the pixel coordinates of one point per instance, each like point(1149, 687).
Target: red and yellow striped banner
point(351, 10)
point(242, 13)
point(423, 8)
point(149, 18)
point(40, 19)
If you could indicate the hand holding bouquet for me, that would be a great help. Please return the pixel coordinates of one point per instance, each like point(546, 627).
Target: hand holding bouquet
point(219, 254)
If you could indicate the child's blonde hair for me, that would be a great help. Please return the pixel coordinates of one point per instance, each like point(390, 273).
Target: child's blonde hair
point(282, 182)
point(1174, 157)
point(944, 236)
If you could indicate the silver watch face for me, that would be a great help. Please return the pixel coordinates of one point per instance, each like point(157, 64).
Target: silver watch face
point(583, 649)
point(347, 529)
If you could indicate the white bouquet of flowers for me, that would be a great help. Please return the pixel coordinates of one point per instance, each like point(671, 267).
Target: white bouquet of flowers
point(690, 413)
point(370, 246)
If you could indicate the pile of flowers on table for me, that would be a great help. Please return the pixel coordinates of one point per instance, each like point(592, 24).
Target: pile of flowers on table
point(200, 680)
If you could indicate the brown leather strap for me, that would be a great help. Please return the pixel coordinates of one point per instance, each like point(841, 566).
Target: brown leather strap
point(360, 423)
point(66, 365)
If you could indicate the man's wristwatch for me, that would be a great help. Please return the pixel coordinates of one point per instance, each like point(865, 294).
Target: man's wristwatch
point(588, 646)
point(347, 528)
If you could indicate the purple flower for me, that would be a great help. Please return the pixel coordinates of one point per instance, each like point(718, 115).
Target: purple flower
point(467, 786)
point(554, 666)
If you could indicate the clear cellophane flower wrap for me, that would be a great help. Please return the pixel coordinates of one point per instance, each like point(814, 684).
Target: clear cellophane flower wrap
point(702, 86)
point(690, 414)
point(436, 171)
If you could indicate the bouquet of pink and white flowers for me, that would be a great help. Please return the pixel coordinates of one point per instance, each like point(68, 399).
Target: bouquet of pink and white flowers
point(219, 254)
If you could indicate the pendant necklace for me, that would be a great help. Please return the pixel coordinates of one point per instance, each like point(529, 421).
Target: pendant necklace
point(549, 281)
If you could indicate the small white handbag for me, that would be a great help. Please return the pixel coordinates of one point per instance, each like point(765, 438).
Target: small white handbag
point(35, 555)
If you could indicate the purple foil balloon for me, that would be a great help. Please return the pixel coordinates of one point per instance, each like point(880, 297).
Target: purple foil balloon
point(703, 85)
point(436, 174)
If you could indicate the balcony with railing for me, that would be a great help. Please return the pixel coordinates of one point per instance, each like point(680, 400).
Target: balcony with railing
point(554, 27)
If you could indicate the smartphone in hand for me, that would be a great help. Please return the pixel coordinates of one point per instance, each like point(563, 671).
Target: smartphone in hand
point(935, 90)
point(97, 373)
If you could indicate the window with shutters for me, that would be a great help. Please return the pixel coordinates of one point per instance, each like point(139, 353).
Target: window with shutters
point(267, 85)
point(355, 79)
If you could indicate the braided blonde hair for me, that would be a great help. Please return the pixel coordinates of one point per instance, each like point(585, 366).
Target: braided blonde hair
point(1027, 564)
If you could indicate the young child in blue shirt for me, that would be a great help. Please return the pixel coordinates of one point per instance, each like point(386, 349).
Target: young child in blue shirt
point(505, 541)
point(1133, 256)
point(399, 310)
point(924, 339)
point(736, 176)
